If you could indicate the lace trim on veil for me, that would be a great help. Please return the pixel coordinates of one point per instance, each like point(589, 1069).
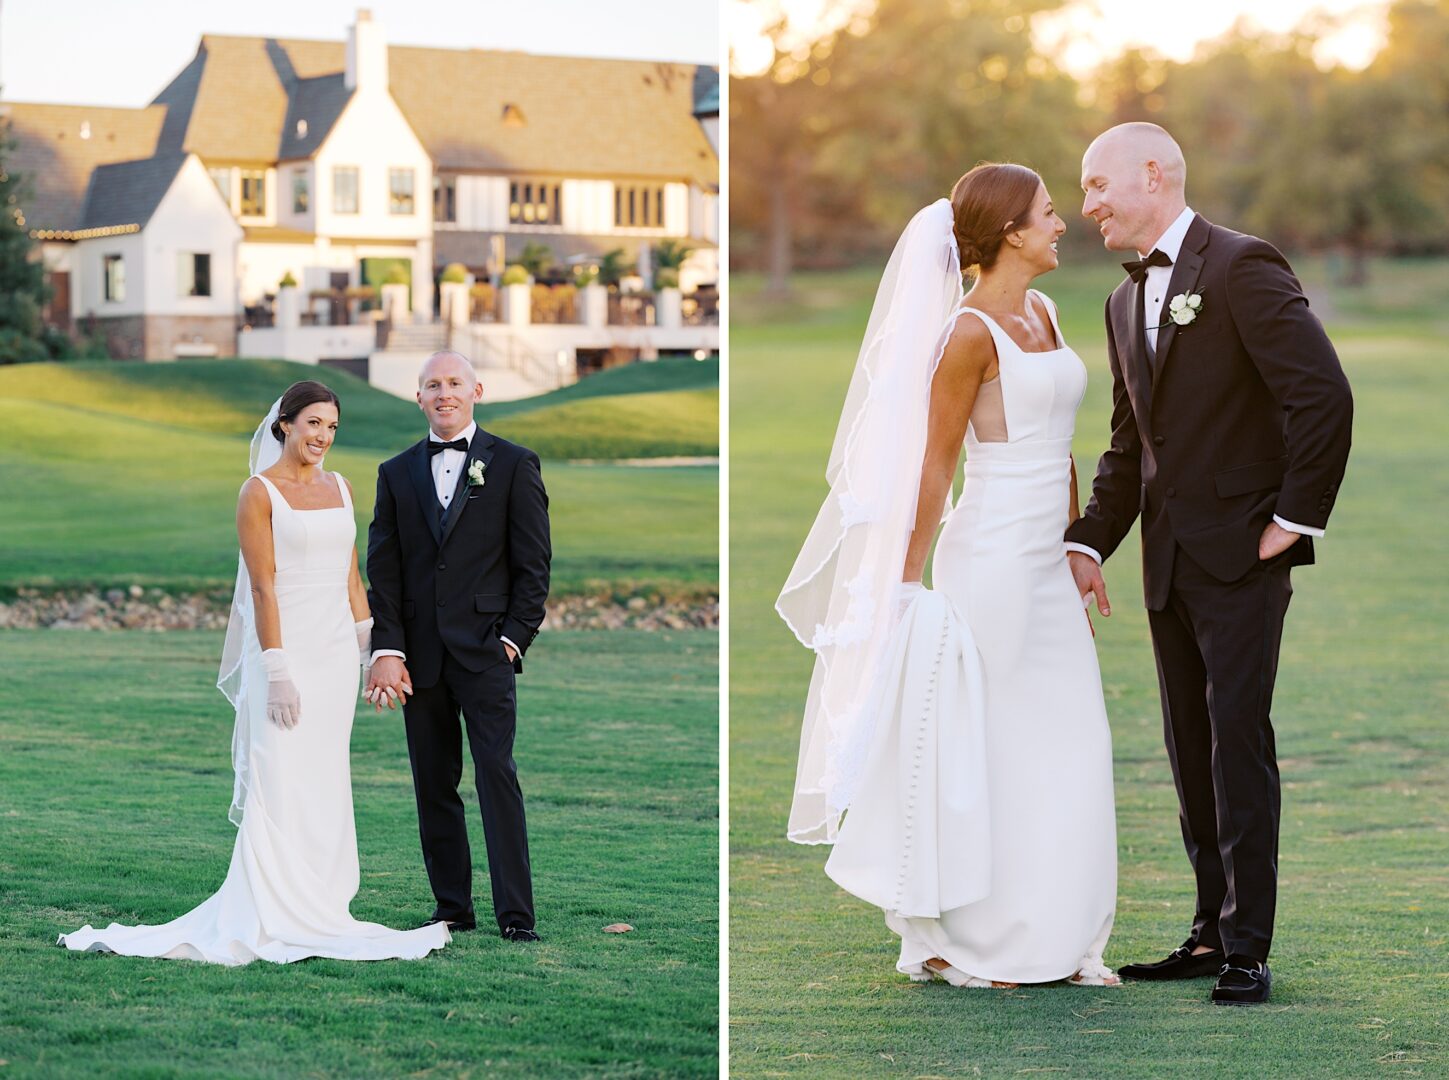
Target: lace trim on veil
point(839, 598)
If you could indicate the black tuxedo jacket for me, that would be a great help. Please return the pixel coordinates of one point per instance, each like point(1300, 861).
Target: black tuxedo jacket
point(1242, 414)
point(461, 586)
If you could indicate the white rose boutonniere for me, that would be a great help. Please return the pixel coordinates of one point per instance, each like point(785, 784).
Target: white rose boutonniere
point(1182, 309)
point(475, 472)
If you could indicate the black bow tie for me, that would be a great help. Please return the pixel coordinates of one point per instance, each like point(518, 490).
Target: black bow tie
point(435, 447)
point(1137, 268)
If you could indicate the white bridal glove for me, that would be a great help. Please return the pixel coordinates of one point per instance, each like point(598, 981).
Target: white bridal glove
point(906, 591)
point(364, 641)
point(284, 703)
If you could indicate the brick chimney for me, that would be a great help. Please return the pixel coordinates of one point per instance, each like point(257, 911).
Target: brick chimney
point(366, 54)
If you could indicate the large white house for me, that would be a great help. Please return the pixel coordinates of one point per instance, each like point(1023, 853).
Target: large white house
point(346, 164)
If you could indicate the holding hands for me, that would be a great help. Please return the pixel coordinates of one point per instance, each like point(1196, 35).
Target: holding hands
point(388, 682)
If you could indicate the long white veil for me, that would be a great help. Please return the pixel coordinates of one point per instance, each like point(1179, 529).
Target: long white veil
point(840, 596)
point(264, 453)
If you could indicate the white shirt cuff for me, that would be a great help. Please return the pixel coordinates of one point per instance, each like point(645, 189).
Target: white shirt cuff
point(510, 641)
point(1306, 530)
point(385, 652)
point(1085, 550)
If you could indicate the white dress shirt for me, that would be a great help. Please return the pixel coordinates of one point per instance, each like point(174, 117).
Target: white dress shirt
point(446, 466)
point(1154, 298)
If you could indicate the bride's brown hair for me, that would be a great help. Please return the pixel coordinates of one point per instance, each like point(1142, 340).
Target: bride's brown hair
point(987, 202)
point(296, 398)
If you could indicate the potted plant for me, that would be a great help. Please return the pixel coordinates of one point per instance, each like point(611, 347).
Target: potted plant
point(593, 306)
point(516, 299)
point(287, 309)
point(668, 300)
point(453, 294)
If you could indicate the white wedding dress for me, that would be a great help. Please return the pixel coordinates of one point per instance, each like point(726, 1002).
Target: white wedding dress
point(294, 868)
point(983, 823)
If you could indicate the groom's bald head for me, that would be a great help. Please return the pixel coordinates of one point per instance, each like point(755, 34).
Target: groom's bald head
point(1134, 178)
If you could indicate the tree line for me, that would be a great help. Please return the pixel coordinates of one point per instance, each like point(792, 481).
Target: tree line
point(837, 143)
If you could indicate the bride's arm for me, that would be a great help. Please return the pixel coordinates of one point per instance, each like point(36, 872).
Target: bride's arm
point(254, 530)
point(968, 356)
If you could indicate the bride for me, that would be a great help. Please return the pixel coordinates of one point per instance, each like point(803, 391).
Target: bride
point(290, 666)
point(955, 747)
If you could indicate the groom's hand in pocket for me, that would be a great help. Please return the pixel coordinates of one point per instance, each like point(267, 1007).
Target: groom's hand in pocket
point(1274, 541)
point(388, 682)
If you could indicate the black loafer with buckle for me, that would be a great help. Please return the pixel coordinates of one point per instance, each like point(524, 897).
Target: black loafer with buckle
point(1180, 964)
point(1243, 981)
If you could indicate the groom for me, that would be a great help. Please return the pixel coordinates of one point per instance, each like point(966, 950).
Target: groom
point(458, 560)
point(1230, 433)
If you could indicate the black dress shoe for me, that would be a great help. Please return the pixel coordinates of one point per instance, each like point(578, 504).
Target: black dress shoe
point(519, 933)
point(1244, 981)
point(455, 925)
point(1180, 964)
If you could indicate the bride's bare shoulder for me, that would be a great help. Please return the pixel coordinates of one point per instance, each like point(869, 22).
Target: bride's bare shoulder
point(970, 346)
point(253, 495)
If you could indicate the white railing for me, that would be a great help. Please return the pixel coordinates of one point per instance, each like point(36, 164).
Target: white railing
point(509, 351)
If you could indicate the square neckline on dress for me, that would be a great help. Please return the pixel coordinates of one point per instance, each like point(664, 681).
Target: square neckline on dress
point(336, 479)
point(1057, 334)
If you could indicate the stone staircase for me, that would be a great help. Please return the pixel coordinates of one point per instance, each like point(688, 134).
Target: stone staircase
point(417, 337)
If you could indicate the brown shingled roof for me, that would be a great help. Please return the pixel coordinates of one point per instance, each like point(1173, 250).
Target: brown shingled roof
point(58, 163)
point(584, 117)
point(239, 99)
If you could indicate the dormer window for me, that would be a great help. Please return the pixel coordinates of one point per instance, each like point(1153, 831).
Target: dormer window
point(301, 129)
point(253, 192)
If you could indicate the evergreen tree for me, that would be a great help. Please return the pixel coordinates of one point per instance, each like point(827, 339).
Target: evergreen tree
point(23, 335)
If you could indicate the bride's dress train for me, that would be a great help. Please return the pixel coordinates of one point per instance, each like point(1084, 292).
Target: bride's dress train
point(983, 823)
point(294, 869)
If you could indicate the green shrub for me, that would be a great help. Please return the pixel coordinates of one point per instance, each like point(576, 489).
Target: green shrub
point(515, 275)
point(288, 281)
point(455, 273)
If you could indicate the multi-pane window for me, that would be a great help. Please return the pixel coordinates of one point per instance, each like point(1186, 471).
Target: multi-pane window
point(399, 191)
point(253, 192)
point(221, 177)
point(193, 273)
point(115, 277)
point(640, 206)
point(344, 189)
point(445, 198)
point(535, 202)
point(299, 191)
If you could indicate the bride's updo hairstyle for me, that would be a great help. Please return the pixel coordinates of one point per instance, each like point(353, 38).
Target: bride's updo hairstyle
point(296, 398)
point(988, 202)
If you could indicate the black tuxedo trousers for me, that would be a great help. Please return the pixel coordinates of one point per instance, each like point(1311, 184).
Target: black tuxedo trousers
point(1216, 647)
point(487, 703)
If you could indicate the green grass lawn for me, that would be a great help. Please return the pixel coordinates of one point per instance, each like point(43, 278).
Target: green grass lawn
point(129, 472)
point(1361, 955)
point(230, 396)
point(115, 776)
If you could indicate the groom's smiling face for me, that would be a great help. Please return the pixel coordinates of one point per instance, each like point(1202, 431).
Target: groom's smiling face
point(448, 388)
point(1116, 195)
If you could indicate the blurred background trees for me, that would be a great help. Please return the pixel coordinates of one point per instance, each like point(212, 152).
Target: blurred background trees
point(841, 139)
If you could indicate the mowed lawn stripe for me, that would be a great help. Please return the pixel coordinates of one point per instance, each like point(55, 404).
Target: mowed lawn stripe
point(130, 500)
